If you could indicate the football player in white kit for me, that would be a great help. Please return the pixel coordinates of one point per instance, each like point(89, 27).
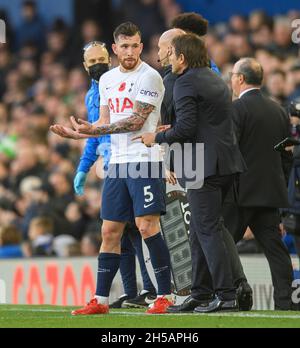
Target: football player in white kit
point(130, 101)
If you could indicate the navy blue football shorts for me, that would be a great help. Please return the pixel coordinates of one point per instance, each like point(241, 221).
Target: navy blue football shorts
point(127, 195)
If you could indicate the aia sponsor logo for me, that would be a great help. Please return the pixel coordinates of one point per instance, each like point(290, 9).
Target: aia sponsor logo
point(117, 105)
point(122, 87)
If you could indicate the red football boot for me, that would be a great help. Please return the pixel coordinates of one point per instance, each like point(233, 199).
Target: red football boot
point(93, 307)
point(159, 306)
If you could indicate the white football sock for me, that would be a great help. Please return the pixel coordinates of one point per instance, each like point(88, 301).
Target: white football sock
point(102, 300)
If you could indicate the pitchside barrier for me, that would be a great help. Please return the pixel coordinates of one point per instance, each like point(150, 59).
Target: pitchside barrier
point(71, 281)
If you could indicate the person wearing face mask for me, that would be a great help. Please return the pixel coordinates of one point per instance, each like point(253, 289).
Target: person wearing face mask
point(96, 63)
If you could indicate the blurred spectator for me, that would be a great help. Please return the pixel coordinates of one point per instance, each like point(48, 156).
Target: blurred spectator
point(220, 54)
point(257, 19)
point(93, 206)
point(90, 30)
point(56, 43)
point(283, 44)
point(5, 65)
point(41, 236)
point(262, 36)
point(77, 219)
point(169, 9)
point(238, 24)
point(145, 14)
point(10, 239)
point(90, 244)
point(295, 78)
point(32, 27)
point(73, 250)
point(63, 194)
point(239, 45)
point(25, 164)
point(275, 85)
point(63, 244)
point(268, 61)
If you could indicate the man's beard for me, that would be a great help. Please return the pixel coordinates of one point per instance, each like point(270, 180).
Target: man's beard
point(128, 64)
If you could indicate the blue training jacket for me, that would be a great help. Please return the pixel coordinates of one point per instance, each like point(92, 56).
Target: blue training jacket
point(94, 146)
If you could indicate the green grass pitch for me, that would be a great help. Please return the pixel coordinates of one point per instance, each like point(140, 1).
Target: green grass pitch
point(24, 316)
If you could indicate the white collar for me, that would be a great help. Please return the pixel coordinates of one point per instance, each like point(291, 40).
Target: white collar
point(248, 90)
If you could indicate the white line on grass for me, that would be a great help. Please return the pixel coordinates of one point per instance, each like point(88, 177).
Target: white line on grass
point(228, 314)
point(218, 314)
point(35, 310)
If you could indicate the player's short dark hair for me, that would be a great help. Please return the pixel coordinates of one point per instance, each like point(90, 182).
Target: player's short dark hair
point(191, 22)
point(252, 71)
point(193, 49)
point(126, 29)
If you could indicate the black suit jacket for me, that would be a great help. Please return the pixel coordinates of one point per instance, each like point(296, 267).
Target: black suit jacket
point(204, 114)
point(260, 124)
point(167, 107)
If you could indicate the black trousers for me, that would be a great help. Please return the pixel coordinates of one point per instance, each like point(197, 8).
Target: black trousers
point(264, 223)
point(211, 265)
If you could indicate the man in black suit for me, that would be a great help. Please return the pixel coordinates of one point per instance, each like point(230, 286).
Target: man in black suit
point(204, 111)
point(259, 192)
point(193, 21)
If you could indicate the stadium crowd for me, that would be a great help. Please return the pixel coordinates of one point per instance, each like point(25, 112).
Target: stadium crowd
point(42, 82)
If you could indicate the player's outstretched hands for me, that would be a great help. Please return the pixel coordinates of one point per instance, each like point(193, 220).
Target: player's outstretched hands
point(83, 127)
point(66, 132)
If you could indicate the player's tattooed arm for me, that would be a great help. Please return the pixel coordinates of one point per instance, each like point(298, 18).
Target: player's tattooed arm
point(135, 122)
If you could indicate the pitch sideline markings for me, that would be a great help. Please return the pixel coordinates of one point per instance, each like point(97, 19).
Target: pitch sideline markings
point(218, 314)
point(228, 314)
point(35, 310)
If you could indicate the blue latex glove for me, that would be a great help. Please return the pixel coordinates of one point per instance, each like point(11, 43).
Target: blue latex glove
point(79, 182)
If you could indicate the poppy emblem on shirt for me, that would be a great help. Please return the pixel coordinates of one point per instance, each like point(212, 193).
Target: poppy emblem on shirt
point(122, 87)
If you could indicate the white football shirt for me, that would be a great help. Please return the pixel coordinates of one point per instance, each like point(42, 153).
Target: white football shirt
point(119, 91)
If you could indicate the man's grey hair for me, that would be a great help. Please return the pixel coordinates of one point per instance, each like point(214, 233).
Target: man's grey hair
point(252, 71)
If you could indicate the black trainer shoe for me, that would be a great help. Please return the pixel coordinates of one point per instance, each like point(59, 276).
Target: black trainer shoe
point(119, 302)
point(244, 296)
point(144, 299)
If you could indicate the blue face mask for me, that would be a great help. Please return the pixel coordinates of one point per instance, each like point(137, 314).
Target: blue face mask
point(97, 70)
